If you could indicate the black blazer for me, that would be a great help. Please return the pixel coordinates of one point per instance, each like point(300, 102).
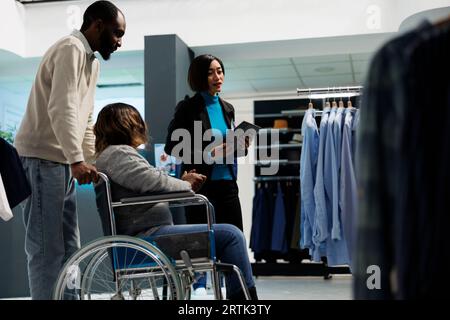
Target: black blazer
point(188, 111)
point(14, 179)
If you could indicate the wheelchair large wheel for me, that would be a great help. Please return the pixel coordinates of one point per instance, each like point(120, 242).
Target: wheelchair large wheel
point(118, 268)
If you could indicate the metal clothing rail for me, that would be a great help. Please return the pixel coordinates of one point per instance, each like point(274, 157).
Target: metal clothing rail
point(330, 92)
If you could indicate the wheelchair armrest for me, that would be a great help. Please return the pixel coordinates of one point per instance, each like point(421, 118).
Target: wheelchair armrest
point(160, 197)
point(173, 199)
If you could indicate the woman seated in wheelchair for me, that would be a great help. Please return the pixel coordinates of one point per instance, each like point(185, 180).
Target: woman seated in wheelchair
point(119, 131)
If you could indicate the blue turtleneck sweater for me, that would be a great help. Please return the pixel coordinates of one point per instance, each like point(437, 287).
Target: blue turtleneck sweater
point(219, 126)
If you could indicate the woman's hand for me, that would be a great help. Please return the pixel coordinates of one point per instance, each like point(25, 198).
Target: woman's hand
point(195, 179)
point(221, 151)
point(243, 142)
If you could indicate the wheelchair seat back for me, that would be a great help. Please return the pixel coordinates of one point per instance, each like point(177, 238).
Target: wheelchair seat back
point(102, 207)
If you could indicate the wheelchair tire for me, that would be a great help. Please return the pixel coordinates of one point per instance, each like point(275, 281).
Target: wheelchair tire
point(118, 268)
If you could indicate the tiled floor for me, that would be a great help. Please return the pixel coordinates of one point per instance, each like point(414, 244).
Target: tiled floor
point(304, 288)
point(298, 288)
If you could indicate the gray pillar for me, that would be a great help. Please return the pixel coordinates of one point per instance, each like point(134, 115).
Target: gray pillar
point(167, 60)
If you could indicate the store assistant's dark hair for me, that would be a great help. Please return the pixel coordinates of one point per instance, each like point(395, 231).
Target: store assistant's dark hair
point(104, 10)
point(119, 123)
point(198, 72)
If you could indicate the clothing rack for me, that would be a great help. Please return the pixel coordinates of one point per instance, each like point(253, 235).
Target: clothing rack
point(296, 259)
point(323, 93)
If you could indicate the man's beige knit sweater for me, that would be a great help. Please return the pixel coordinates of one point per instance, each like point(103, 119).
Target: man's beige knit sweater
point(58, 124)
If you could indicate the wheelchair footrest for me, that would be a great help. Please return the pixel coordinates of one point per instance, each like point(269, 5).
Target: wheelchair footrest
point(197, 244)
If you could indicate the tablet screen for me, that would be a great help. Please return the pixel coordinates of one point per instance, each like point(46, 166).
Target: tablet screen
point(244, 125)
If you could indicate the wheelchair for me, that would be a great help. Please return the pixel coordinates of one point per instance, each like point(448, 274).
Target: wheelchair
point(117, 267)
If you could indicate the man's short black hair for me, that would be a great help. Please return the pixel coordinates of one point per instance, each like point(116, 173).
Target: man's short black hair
point(103, 10)
point(198, 72)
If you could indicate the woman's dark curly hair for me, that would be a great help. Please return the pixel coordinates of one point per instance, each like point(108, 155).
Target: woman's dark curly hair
point(119, 123)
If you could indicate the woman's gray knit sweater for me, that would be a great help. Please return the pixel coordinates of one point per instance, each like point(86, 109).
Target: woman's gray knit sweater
point(131, 175)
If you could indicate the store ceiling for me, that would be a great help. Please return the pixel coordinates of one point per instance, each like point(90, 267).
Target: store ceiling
point(244, 77)
point(259, 76)
point(287, 74)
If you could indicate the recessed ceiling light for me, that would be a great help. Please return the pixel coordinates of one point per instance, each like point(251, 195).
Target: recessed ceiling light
point(324, 69)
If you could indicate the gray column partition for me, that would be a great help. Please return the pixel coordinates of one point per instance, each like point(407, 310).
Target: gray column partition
point(167, 60)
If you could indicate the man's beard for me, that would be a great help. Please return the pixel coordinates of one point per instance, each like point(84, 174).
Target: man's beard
point(105, 54)
point(105, 47)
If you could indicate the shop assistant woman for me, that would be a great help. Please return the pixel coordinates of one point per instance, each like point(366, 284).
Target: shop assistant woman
point(206, 77)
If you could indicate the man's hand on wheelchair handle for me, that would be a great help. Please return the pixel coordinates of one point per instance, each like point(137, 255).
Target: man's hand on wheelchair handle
point(84, 173)
point(195, 179)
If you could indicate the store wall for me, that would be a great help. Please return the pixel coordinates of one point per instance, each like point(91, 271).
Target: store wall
point(12, 26)
point(234, 21)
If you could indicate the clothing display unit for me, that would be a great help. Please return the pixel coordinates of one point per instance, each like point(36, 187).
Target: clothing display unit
point(275, 234)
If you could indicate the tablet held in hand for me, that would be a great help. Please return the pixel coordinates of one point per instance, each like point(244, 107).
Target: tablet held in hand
point(244, 125)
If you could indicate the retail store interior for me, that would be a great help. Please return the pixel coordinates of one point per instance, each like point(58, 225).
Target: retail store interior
point(270, 50)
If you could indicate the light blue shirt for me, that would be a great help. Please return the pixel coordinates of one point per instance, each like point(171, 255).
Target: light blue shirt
point(348, 188)
point(219, 128)
point(320, 224)
point(336, 228)
point(336, 247)
point(320, 227)
point(355, 135)
point(308, 168)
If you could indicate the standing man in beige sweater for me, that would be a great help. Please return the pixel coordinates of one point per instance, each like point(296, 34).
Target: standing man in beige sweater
point(57, 144)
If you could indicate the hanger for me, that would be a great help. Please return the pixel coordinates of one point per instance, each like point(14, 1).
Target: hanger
point(334, 104)
point(349, 102)
point(327, 100)
point(341, 103)
point(310, 105)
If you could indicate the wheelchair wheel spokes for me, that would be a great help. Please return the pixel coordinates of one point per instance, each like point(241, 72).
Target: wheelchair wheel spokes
point(118, 268)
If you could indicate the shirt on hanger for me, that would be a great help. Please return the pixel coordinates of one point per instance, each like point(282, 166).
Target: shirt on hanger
point(308, 170)
point(320, 225)
point(347, 183)
point(336, 248)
